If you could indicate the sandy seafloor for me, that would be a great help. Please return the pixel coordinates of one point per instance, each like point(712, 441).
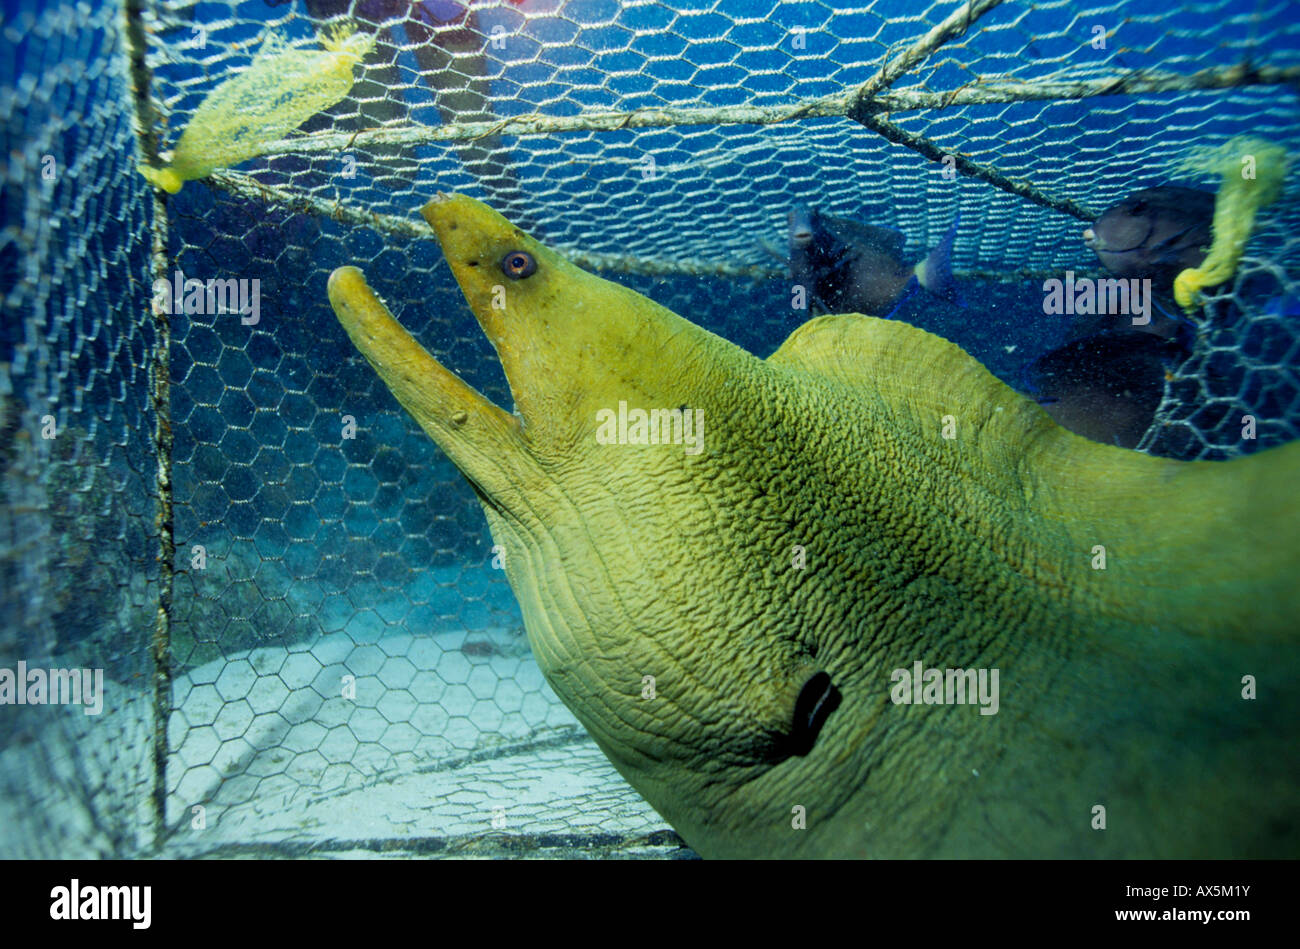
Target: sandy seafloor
point(453, 745)
point(439, 742)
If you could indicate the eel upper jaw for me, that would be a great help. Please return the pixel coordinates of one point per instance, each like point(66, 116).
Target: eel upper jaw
point(531, 347)
point(571, 344)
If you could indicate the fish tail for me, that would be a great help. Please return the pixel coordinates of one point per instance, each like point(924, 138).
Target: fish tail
point(935, 272)
point(1184, 329)
point(909, 290)
point(1028, 384)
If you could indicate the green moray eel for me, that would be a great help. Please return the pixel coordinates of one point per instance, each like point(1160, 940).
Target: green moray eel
point(730, 624)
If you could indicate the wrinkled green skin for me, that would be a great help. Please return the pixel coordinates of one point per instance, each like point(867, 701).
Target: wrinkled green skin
point(1119, 687)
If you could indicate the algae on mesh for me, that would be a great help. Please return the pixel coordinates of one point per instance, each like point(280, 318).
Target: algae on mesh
point(1252, 170)
point(283, 88)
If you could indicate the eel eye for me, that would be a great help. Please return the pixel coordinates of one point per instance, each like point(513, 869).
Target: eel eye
point(518, 264)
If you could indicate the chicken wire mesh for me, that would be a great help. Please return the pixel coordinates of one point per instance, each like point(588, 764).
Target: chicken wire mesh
point(291, 593)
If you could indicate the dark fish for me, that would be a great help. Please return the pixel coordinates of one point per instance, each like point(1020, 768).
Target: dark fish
point(1105, 387)
point(850, 267)
point(1154, 233)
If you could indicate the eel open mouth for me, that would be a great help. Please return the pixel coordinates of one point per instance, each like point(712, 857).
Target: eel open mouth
point(481, 439)
point(570, 344)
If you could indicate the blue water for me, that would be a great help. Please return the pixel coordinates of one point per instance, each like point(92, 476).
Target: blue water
point(308, 532)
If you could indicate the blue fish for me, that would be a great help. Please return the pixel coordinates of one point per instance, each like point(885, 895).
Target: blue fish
point(851, 267)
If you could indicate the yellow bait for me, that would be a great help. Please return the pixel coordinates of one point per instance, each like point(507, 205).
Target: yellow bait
point(1248, 185)
point(277, 93)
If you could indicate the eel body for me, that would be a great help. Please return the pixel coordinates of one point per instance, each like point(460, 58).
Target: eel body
point(747, 624)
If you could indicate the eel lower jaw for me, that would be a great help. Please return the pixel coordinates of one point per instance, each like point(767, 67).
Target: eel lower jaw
point(484, 441)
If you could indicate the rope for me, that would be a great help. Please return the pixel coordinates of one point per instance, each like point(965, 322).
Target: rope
point(978, 92)
point(242, 186)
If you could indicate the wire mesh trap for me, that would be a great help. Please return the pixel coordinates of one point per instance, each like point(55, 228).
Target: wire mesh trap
point(305, 645)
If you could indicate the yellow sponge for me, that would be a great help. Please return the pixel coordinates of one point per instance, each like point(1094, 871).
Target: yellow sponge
point(1252, 170)
point(281, 89)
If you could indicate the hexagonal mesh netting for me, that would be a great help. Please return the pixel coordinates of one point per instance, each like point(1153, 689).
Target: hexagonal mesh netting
point(290, 592)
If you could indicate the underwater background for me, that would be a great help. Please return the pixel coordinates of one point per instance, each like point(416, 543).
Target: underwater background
point(207, 528)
